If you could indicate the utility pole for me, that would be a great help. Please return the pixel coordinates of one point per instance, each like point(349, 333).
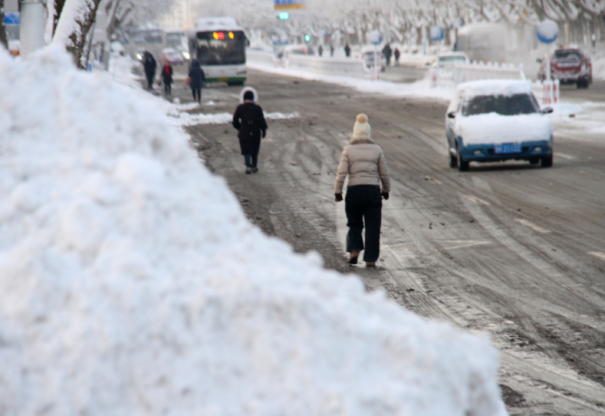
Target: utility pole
point(32, 26)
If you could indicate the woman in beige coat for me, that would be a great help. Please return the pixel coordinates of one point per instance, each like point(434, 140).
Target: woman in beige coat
point(364, 163)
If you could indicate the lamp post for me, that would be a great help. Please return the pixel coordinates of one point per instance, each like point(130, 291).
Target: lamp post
point(32, 26)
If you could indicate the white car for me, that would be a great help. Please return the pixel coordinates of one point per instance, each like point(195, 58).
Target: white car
point(497, 120)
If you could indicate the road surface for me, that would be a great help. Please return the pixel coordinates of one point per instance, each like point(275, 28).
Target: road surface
point(511, 249)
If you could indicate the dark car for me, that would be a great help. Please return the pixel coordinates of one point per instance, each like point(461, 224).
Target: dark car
point(569, 66)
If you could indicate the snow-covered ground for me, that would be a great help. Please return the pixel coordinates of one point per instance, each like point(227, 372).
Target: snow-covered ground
point(131, 282)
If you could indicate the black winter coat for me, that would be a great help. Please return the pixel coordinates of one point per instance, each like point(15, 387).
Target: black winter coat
point(167, 74)
point(196, 73)
point(150, 66)
point(250, 121)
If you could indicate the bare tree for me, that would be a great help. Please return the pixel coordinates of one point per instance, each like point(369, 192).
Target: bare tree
point(3, 38)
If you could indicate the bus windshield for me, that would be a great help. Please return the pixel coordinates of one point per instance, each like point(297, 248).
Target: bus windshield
point(221, 48)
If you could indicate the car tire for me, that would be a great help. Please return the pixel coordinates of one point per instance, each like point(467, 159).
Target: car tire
point(546, 161)
point(462, 164)
point(453, 161)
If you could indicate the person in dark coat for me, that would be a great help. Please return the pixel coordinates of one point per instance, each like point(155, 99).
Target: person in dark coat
point(320, 50)
point(167, 78)
point(150, 66)
point(331, 51)
point(387, 52)
point(197, 76)
point(347, 50)
point(249, 120)
point(397, 56)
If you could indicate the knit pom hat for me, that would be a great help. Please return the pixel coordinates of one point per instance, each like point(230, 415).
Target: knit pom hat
point(362, 129)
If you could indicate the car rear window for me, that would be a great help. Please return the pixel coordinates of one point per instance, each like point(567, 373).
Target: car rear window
point(506, 105)
point(567, 55)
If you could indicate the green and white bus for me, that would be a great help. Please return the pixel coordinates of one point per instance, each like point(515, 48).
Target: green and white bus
point(220, 46)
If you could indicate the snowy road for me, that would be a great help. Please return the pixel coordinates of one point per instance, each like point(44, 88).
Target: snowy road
point(512, 249)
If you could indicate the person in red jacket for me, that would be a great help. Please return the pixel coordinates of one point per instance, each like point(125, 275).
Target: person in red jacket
point(167, 78)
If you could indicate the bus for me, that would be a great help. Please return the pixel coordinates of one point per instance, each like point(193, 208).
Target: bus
point(220, 46)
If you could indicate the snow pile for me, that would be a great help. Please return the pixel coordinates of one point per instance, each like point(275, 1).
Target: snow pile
point(132, 284)
point(495, 87)
point(187, 119)
point(498, 129)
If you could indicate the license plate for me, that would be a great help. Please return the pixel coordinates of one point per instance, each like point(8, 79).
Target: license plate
point(507, 148)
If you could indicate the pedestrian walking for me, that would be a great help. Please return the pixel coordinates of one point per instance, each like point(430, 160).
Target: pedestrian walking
point(196, 80)
point(150, 66)
point(250, 122)
point(167, 78)
point(364, 163)
point(387, 52)
point(331, 51)
point(347, 50)
point(397, 56)
point(320, 50)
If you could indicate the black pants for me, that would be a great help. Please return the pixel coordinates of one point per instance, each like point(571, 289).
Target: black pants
point(168, 88)
point(197, 94)
point(363, 203)
point(150, 81)
point(251, 160)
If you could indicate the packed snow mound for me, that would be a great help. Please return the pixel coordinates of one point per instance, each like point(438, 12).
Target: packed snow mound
point(132, 284)
point(494, 87)
point(497, 129)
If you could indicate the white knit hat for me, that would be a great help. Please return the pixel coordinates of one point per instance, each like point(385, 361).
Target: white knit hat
point(362, 129)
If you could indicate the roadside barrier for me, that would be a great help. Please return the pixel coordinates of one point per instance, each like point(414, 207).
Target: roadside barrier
point(350, 67)
point(550, 92)
point(450, 77)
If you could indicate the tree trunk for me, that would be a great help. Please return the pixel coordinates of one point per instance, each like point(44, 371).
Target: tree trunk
point(3, 38)
point(75, 22)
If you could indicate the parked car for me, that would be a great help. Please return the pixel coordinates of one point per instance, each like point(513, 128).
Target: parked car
point(497, 120)
point(171, 56)
point(448, 60)
point(298, 50)
point(569, 66)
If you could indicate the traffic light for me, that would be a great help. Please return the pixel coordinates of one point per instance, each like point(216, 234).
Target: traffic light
point(307, 38)
point(284, 16)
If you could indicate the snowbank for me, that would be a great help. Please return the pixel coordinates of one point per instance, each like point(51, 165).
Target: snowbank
point(498, 129)
point(598, 68)
point(132, 284)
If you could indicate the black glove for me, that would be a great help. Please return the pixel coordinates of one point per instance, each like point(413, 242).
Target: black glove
point(338, 197)
point(385, 195)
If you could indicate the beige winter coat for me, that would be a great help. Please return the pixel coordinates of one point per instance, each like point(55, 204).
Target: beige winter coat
point(363, 161)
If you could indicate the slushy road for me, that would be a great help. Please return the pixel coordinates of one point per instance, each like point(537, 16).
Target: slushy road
point(511, 249)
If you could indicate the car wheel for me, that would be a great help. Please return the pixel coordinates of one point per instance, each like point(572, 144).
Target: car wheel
point(462, 164)
point(453, 161)
point(546, 162)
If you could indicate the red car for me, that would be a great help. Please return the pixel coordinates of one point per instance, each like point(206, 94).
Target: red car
point(569, 66)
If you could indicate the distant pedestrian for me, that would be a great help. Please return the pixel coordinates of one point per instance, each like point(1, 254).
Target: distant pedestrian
point(397, 56)
point(150, 66)
point(250, 122)
point(347, 50)
point(387, 52)
point(320, 50)
point(331, 51)
point(197, 78)
point(593, 37)
point(364, 163)
point(167, 78)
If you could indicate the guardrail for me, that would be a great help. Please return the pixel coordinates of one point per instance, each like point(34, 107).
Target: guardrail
point(350, 67)
point(450, 77)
